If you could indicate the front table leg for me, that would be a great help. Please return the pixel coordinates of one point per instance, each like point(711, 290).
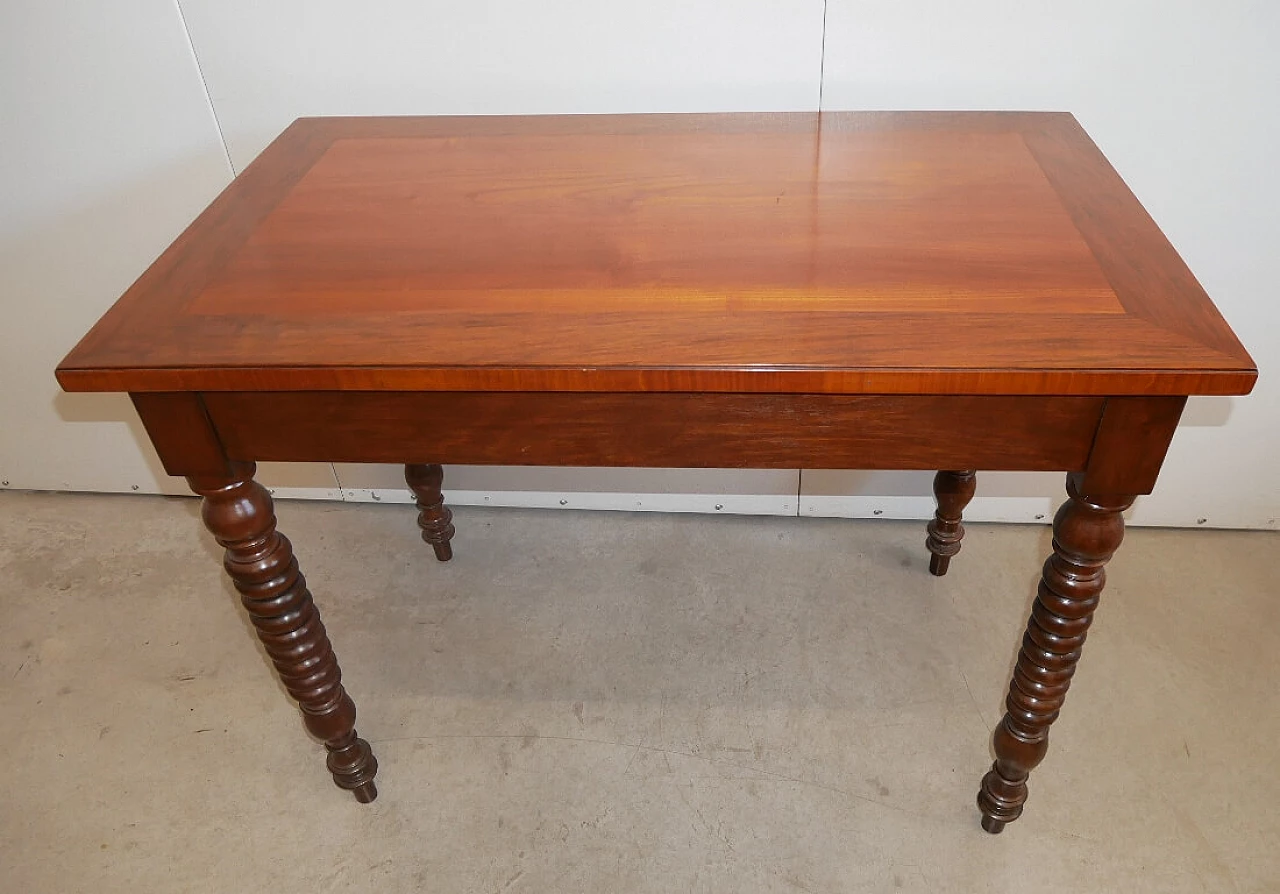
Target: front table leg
point(1086, 532)
point(261, 563)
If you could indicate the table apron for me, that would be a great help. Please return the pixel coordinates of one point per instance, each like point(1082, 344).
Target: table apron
point(696, 430)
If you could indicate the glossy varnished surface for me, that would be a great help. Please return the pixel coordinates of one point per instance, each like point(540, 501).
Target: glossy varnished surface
point(761, 431)
point(926, 253)
point(708, 222)
point(969, 291)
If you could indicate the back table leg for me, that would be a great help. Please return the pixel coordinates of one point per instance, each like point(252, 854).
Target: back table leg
point(261, 563)
point(434, 518)
point(953, 491)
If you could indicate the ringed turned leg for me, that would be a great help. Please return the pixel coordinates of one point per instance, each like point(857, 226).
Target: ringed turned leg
point(953, 491)
point(1086, 532)
point(434, 518)
point(261, 563)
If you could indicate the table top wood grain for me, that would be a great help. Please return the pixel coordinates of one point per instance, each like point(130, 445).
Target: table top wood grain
point(926, 253)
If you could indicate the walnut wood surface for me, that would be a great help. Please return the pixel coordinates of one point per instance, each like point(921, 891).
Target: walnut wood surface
point(1086, 532)
point(434, 518)
point(953, 491)
point(691, 430)
point(182, 433)
point(1131, 443)
point(846, 290)
point(729, 253)
point(260, 561)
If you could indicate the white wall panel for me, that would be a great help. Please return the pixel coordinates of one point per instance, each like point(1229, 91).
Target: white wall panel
point(1182, 97)
point(270, 61)
point(108, 148)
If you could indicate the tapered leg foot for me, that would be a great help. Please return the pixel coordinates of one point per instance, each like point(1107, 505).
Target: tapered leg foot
point(260, 561)
point(1086, 532)
point(434, 518)
point(994, 826)
point(953, 491)
point(353, 766)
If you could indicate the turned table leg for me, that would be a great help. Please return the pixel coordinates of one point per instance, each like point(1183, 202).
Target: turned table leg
point(434, 518)
point(261, 563)
point(953, 491)
point(1086, 532)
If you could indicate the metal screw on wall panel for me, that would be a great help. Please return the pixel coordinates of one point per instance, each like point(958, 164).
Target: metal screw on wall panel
point(719, 506)
point(1040, 517)
point(134, 486)
point(374, 494)
point(5, 483)
point(877, 512)
point(564, 502)
point(1201, 521)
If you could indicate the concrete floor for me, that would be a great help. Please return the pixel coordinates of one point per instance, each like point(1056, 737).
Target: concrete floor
point(619, 702)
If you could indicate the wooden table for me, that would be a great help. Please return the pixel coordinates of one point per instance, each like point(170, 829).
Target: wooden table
point(953, 291)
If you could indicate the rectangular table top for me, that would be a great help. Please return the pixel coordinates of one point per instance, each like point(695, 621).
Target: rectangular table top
point(943, 253)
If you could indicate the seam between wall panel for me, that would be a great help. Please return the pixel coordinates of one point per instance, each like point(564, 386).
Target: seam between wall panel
point(204, 84)
point(822, 56)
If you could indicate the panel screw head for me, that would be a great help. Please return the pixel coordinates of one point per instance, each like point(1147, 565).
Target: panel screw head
point(564, 502)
